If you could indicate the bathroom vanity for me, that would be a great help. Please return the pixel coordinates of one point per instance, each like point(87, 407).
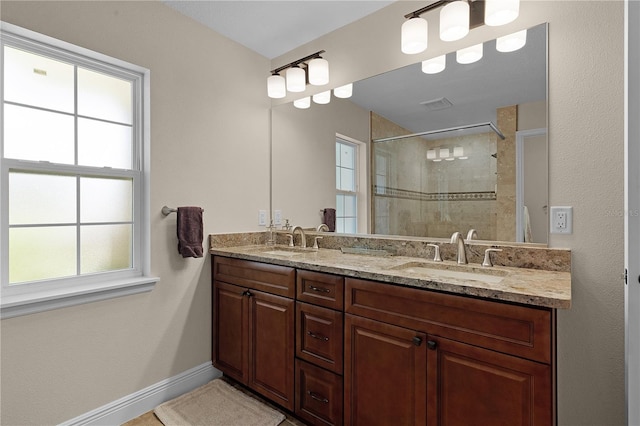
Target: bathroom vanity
point(377, 340)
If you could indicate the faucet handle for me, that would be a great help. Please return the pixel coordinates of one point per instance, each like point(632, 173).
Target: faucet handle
point(315, 242)
point(436, 254)
point(487, 257)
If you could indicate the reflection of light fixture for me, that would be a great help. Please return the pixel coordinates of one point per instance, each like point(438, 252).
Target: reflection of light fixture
point(500, 12)
point(343, 91)
point(296, 79)
point(511, 42)
point(470, 54)
point(444, 152)
point(454, 21)
point(303, 103)
point(414, 35)
point(276, 87)
point(296, 76)
point(458, 151)
point(318, 72)
point(435, 65)
point(322, 97)
point(438, 154)
point(431, 154)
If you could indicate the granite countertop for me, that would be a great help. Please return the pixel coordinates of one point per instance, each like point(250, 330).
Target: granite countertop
point(551, 289)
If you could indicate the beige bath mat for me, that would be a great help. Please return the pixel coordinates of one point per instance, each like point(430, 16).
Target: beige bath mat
point(217, 403)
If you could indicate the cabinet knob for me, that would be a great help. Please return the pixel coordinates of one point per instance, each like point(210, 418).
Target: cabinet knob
point(247, 293)
point(417, 341)
point(431, 344)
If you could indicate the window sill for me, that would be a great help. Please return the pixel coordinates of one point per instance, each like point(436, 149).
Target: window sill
point(14, 306)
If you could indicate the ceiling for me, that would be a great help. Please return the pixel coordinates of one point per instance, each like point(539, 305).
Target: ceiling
point(272, 28)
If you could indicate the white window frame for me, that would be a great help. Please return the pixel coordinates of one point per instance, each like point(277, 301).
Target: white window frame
point(356, 176)
point(28, 298)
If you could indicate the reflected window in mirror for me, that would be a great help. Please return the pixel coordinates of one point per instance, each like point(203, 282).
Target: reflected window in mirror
point(346, 188)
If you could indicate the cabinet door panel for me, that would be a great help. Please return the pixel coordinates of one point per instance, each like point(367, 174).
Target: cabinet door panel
point(319, 336)
point(271, 331)
point(469, 385)
point(319, 395)
point(230, 340)
point(385, 374)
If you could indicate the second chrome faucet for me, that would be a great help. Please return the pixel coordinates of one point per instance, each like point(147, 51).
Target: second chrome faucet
point(456, 238)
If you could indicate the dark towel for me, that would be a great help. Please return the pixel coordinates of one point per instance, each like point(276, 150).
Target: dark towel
point(190, 231)
point(330, 219)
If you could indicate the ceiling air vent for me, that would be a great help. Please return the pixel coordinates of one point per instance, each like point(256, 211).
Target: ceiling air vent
point(436, 104)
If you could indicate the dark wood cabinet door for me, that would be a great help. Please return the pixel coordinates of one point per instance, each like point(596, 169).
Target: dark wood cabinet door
point(230, 331)
point(271, 331)
point(468, 385)
point(384, 374)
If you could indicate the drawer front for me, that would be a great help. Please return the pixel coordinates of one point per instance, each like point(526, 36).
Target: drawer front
point(274, 279)
point(318, 395)
point(518, 330)
point(321, 289)
point(319, 339)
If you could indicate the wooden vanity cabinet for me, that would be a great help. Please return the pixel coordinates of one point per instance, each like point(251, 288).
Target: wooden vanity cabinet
point(253, 329)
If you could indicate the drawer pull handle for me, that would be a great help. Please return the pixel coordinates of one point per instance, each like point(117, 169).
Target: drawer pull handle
point(317, 336)
point(319, 289)
point(318, 397)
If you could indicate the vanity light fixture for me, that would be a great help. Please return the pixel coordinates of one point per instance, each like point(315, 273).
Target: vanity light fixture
point(469, 54)
point(511, 42)
point(454, 21)
point(435, 65)
point(322, 97)
point(296, 75)
point(414, 37)
point(303, 103)
point(500, 12)
point(431, 154)
point(343, 91)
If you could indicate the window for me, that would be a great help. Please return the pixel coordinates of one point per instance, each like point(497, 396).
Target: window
point(346, 187)
point(72, 173)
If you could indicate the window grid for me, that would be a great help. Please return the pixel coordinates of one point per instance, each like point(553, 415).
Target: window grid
point(346, 187)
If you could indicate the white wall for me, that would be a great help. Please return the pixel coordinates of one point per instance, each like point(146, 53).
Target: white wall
point(209, 118)
point(586, 171)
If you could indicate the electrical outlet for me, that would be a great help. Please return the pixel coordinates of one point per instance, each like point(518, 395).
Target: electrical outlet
point(277, 220)
point(561, 220)
point(262, 217)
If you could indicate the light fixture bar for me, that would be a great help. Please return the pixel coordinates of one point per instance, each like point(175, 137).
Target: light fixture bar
point(298, 62)
point(433, 132)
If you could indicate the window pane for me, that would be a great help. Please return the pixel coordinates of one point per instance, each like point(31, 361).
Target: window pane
point(41, 199)
point(339, 205)
point(338, 146)
point(105, 97)
point(350, 225)
point(36, 80)
point(103, 144)
point(349, 205)
point(338, 184)
point(31, 134)
point(347, 181)
point(105, 248)
point(41, 253)
point(106, 200)
point(347, 155)
point(340, 225)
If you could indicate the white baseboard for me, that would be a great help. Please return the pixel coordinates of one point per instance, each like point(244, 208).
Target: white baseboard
point(142, 401)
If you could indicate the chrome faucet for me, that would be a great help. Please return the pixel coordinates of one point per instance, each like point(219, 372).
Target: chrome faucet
point(456, 238)
point(322, 227)
point(303, 237)
point(472, 234)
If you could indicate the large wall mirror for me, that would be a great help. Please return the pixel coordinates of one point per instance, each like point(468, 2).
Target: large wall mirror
point(425, 155)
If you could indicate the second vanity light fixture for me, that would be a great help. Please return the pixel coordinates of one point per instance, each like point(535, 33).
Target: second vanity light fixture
point(315, 71)
point(456, 19)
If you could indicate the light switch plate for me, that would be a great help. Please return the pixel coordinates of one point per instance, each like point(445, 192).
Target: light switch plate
point(561, 220)
point(277, 220)
point(262, 217)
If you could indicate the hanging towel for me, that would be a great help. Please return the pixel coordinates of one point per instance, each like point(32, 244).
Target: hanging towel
point(190, 231)
point(330, 219)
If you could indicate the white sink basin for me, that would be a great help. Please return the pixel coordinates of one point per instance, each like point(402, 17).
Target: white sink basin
point(458, 272)
point(287, 253)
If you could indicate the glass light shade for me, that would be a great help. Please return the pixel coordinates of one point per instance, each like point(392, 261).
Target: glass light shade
point(431, 154)
point(414, 36)
point(296, 79)
point(318, 72)
point(322, 97)
point(511, 42)
point(458, 151)
point(303, 103)
point(276, 87)
point(343, 91)
point(469, 55)
point(435, 65)
point(444, 152)
point(454, 21)
point(500, 12)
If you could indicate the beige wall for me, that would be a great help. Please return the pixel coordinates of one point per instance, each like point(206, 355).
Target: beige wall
point(209, 118)
point(586, 171)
